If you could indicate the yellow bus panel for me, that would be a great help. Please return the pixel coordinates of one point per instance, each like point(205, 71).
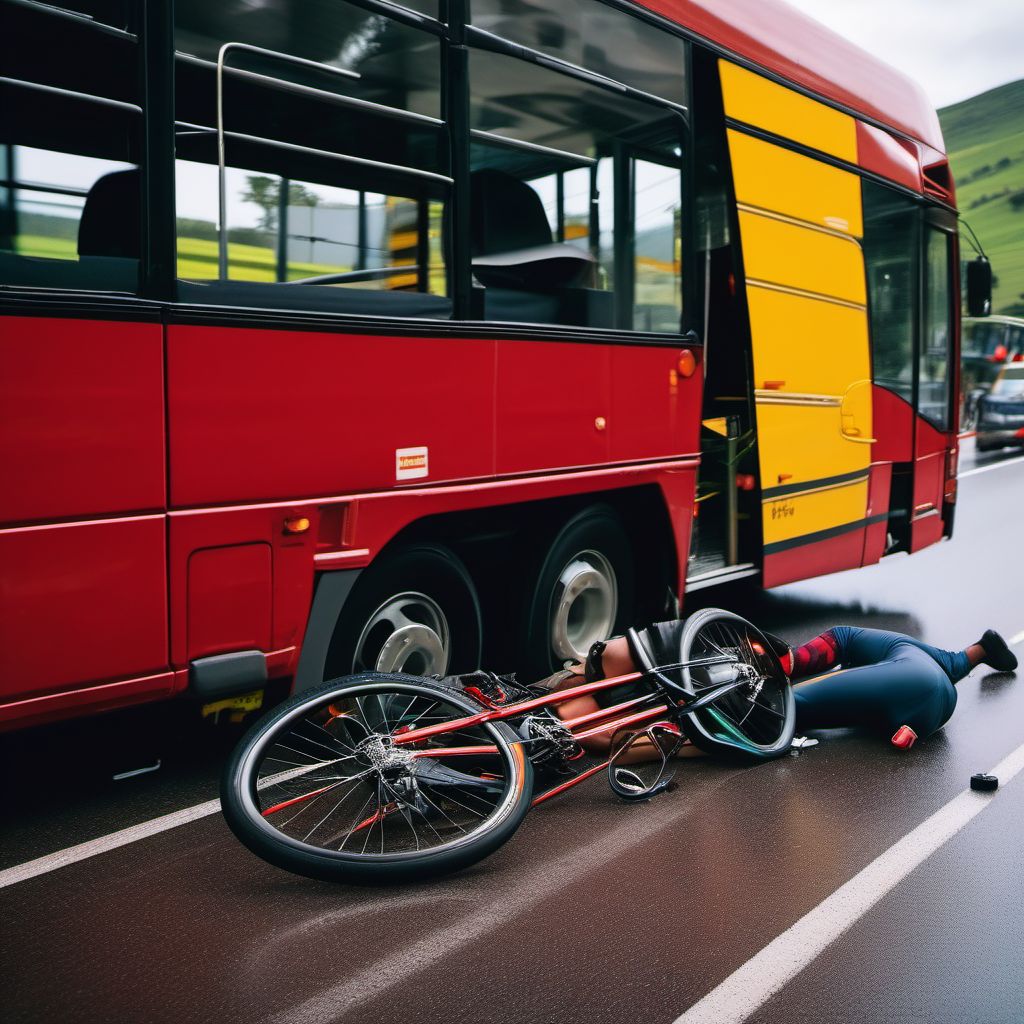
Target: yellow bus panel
point(772, 178)
point(798, 257)
point(755, 100)
point(801, 443)
point(799, 515)
point(805, 345)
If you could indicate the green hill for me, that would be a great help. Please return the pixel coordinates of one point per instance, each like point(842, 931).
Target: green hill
point(985, 140)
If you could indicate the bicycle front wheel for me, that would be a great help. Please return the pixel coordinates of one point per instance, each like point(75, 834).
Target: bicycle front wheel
point(327, 787)
point(756, 719)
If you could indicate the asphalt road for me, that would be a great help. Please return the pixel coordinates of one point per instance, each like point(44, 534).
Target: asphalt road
point(595, 911)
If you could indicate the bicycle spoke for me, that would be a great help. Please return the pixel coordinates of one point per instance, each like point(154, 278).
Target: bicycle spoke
point(336, 806)
point(353, 829)
point(341, 805)
point(438, 809)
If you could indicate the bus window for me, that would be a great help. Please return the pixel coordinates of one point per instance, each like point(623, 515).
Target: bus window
point(980, 338)
point(335, 185)
point(890, 257)
point(69, 141)
point(1010, 383)
point(933, 394)
point(595, 36)
point(1014, 340)
point(574, 201)
point(657, 247)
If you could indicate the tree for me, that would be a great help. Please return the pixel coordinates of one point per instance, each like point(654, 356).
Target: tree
point(265, 192)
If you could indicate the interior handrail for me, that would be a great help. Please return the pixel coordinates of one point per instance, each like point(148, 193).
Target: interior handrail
point(222, 195)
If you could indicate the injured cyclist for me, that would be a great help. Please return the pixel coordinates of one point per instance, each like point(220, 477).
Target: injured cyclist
point(887, 682)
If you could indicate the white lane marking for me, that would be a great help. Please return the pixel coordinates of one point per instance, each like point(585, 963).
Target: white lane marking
point(73, 854)
point(994, 465)
point(1018, 638)
point(766, 973)
point(507, 900)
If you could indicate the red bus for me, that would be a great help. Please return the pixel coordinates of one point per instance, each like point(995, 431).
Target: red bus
point(421, 334)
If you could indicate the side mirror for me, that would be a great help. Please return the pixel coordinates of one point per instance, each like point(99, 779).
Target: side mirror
point(979, 287)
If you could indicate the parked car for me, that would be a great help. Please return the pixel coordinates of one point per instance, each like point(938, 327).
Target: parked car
point(1001, 410)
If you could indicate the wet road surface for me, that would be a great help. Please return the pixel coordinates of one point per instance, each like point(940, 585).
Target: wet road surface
point(595, 910)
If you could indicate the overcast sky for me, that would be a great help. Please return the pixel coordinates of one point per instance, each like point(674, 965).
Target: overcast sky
point(954, 49)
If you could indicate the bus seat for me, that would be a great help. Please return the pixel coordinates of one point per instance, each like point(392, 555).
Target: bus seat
point(111, 224)
point(511, 238)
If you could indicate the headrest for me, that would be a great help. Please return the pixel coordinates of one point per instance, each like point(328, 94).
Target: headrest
point(507, 214)
point(512, 245)
point(111, 223)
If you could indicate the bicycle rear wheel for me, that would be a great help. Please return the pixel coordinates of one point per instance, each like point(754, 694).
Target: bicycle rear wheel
point(756, 719)
point(326, 787)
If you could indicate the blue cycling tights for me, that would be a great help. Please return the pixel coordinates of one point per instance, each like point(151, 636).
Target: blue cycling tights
point(887, 680)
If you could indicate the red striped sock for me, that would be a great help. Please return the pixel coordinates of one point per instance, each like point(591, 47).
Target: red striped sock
point(815, 656)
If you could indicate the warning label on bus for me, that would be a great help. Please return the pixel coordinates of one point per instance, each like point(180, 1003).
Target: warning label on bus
point(410, 463)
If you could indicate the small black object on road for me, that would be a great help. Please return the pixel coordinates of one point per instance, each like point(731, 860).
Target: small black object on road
point(984, 783)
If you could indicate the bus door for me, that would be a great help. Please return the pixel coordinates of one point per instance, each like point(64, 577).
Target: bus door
point(800, 225)
point(935, 375)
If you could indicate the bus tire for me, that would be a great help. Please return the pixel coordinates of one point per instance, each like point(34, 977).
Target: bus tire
point(415, 610)
point(582, 591)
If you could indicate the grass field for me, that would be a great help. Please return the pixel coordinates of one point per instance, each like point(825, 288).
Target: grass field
point(985, 139)
point(197, 258)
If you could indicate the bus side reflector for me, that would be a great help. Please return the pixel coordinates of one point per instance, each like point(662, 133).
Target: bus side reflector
point(687, 363)
point(296, 524)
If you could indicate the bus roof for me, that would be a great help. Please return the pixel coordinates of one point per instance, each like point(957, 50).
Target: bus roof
point(787, 42)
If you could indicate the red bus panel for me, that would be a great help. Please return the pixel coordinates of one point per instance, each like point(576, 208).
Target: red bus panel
point(81, 419)
point(264, 414)
point(81, 603)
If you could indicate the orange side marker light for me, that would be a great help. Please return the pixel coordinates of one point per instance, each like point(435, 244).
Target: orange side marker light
point(296, 524)
point(687, 363)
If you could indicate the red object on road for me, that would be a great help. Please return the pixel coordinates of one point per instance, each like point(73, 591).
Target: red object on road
point(904, 737)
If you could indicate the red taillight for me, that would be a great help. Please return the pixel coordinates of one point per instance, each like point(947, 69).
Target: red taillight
point(1018, 357)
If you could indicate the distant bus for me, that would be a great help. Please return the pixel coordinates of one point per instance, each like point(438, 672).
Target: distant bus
point(988, 344)
point(414, 336)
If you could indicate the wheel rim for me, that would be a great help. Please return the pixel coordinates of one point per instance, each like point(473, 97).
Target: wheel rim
point(332, 780)
point(407, 633)
point(754, 716)
point(584, 605)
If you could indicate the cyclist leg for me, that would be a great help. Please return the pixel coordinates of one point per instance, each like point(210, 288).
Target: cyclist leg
point(868, 646)
point(853, 646)
point(908, 688)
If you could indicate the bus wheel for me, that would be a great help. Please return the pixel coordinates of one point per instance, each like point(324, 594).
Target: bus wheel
point(583, 592)
point(414, 611)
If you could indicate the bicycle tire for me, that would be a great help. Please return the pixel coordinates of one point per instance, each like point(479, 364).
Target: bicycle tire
point(248, 785)
point(757, 721)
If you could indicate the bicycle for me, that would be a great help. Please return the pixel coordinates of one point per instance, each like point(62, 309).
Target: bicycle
point(385, 777)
